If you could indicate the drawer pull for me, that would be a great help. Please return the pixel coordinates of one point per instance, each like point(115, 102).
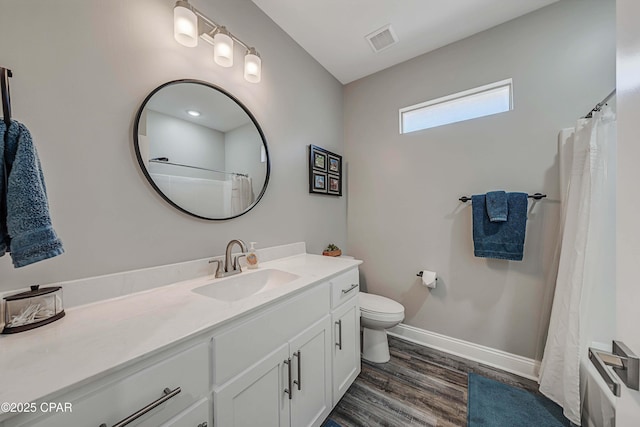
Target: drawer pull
point(298, 382)
point(289, 390)
point(204, 424)
point(339, 343)
point(168, 394)
point(346, 291)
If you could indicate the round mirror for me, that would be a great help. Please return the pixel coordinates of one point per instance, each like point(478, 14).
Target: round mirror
point(201, 150)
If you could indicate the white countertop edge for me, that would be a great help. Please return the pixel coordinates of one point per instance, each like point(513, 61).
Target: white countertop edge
point(24, 382)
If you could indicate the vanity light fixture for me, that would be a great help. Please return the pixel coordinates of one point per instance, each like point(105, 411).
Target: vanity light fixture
point(223, 48)
point(252, 66)
point(189, 23)
point(185, 24)
point(193, 113)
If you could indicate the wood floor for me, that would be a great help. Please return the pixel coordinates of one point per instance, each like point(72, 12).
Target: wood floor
point(419, 386)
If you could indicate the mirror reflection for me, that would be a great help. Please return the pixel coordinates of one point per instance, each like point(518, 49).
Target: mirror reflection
point(201, 149)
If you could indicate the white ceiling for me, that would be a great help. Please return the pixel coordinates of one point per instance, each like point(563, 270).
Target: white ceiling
point(217, 111)
point(333, 31)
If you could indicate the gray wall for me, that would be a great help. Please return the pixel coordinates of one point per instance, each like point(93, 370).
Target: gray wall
point(628, 227)
point(403, 213)
point(186, 143)
point(242, 154)
point(82, 69)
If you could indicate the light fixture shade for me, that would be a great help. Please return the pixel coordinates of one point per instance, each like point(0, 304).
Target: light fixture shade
point(185, 24)
point(252, 66)
point(223, 48)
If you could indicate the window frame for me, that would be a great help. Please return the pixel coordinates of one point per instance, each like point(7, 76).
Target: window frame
point(454, 97)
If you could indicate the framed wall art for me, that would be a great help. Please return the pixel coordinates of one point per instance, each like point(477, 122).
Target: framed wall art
point(325, 172)
point(319, 184)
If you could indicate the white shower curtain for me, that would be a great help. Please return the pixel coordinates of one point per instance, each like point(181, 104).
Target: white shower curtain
point(587, 259)
point(241, 194)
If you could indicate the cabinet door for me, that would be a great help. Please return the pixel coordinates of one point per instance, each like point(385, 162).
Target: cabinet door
point(345, 347)
point(311, 363)
point(255, 397)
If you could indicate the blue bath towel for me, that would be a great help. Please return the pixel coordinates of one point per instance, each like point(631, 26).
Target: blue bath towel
point(502, 240)
point(27, 231)
point(497, 206)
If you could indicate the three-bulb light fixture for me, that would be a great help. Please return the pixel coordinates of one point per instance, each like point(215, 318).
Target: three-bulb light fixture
point(189, 24)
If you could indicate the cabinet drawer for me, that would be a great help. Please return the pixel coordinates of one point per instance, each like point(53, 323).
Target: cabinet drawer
point(196, 416)
point(122, 397)
point(342, 287)
point(237, 348)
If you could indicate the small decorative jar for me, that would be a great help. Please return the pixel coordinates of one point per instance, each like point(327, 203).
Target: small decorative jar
point(32, 309)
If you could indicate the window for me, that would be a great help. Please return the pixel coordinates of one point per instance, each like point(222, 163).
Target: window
point(482, 101)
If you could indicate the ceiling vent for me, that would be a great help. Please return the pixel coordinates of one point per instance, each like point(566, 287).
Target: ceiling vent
point(382, 38)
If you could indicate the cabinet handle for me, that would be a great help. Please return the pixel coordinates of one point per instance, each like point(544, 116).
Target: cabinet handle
point(339, 343)
point(346, 291)
point(204, 424)
point(289, 390)
point(298, 382)
point(167, 394)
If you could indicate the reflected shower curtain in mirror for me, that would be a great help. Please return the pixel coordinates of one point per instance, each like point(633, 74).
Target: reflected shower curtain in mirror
point(241, 194)
point(587, 259)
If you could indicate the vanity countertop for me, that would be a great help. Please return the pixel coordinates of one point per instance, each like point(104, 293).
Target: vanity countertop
point(96, 339)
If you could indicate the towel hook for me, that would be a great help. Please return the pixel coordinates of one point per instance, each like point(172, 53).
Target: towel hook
point(5, 73)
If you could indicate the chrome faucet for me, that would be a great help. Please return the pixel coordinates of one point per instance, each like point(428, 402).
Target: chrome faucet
point(230, 268)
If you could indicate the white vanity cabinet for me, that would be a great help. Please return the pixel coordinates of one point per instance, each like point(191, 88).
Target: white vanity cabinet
point(345, 317)
point(279, 362)
point(196, 416)
point(310, 387)
point(254, 397)
point(184, 376)
point(291, 386)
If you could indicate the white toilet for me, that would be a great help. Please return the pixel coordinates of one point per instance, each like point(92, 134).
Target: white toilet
point(377, 314)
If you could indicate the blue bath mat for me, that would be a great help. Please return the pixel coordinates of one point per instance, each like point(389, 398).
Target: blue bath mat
point(494, 404)
point(330, 423)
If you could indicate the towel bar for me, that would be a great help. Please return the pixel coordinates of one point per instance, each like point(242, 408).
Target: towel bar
point(536, 196)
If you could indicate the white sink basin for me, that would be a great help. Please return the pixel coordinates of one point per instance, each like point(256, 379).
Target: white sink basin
point(245, 284)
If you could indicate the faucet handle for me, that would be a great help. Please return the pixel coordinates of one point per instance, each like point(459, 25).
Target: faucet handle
point(236, 262)
point(218, 264)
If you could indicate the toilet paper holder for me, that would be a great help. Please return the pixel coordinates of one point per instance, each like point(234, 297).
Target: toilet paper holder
point(431, 280)
point(421, 273)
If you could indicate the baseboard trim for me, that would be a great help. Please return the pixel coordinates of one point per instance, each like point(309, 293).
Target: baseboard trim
point(513, 363)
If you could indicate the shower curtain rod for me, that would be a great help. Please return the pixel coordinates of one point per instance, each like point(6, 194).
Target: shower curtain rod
point(165, 161)
point(599, 105)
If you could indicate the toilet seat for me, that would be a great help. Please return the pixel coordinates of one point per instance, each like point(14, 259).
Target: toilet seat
point(383, 317)
point(377, 307)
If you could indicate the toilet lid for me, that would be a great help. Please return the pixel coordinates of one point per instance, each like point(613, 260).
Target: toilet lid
point(379, 304)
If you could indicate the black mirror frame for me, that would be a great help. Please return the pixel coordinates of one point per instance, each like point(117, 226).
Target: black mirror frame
point(136, 146)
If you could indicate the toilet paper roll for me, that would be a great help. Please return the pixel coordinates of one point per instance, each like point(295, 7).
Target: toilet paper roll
point(429, 278)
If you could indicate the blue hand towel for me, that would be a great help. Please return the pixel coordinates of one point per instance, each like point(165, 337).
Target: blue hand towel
point(497, 206)
point(27, 232)
point(502, 240)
